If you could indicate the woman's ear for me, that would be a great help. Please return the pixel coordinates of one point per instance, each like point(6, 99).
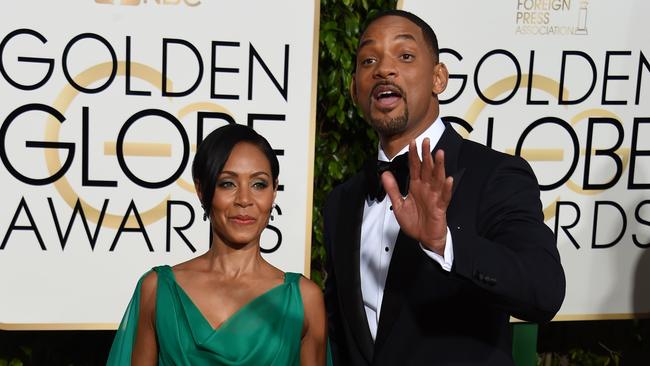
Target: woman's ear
point(275, 189)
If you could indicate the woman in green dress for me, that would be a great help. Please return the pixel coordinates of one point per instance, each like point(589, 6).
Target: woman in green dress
point(228, 306)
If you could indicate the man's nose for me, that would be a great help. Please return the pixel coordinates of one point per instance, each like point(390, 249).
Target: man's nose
point(386, 68)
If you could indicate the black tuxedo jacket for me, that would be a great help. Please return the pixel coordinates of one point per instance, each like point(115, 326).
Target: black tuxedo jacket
point(505, 263)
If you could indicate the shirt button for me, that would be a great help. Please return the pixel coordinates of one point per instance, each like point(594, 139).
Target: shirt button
point(386, 249)
point(391, 207)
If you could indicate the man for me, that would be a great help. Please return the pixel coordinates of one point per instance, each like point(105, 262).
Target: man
point(432, 274)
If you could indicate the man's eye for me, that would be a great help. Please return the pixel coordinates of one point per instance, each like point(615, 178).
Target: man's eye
point(407, 57)
point(367, 61)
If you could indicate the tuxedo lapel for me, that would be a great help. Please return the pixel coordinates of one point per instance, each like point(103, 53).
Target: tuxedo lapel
point(450, 142)
point(404, 262)
point(347, 263)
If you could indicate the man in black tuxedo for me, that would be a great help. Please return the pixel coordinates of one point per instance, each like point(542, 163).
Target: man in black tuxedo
point(432, 274)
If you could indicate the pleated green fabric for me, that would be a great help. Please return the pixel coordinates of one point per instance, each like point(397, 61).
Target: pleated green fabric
point(266, 331)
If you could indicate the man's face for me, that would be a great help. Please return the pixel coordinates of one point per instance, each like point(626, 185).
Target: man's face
point(394, 81)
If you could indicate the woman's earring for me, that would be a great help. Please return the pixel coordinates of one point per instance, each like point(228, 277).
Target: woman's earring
point(272, 207)
point(205, 213)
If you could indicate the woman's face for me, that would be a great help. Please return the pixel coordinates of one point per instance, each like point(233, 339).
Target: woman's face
point(243, 196)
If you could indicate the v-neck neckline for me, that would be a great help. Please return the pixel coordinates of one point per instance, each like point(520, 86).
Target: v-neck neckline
point(233, 315)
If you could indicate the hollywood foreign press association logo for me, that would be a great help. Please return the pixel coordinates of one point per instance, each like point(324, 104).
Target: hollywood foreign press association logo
point(155, 2)
point(551, 17)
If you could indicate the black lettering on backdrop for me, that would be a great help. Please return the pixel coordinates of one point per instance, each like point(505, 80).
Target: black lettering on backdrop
point(31, 227)
point(252, 117)
point(642, 62)
point(66, 72)
point(178, 229)
point(529, 89)
point(634, 153)
point(462, 77)
point(607, 77)
point(120, 148)
point(85, 180)
point(127, 73)
point(38, 144)
point(201, 116)
point(576, 147)
point(49, 62)
point(215, 69)
point(63, 237)
point(490, 132)
point(514, 88)
point(639, 219)
point(123, 228)
point(284, 89)
point(611, 152)
point(566, 228)
point(621, 212)
point(591, 63)
point(277, 232)
point(199, 76)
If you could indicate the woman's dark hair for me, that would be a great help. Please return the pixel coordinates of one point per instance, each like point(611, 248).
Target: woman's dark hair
point(214, 151)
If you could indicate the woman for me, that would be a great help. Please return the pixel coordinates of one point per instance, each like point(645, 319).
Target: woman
point(228, 306)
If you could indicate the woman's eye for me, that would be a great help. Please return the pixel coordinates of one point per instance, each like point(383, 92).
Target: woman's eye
point(260, 184)
point(367, 61)
point(407, 57)
point(226, 184)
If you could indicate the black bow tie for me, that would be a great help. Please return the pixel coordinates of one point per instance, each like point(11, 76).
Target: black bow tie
point(400, 169)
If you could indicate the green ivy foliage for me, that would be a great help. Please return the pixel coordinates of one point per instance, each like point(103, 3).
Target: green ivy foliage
point(343, 139)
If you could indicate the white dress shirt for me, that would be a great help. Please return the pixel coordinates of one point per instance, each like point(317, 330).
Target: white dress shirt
point(379, 231)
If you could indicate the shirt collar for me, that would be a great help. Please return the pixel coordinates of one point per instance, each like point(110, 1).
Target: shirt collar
point(433, 132)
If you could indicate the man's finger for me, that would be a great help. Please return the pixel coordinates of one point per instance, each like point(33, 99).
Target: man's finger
point(427, 161)
point(414, 162)
point(446, 191)
point(392, 189)
point(439, 169)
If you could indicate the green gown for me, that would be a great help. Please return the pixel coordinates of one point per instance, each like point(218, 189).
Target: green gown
point(266, 331)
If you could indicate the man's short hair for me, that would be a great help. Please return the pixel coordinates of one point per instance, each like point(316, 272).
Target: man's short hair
point(427, 31)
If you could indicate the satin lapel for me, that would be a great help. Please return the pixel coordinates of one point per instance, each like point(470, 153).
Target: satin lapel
point(450, 142)
point(404, 262)
point(347, 264)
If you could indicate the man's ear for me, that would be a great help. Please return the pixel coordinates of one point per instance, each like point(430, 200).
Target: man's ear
point(440, 78)
point(353, 89)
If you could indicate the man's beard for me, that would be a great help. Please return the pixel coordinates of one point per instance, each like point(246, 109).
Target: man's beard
point(391, 126)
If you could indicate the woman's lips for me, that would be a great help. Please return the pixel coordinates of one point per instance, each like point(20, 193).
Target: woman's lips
point(243, 219)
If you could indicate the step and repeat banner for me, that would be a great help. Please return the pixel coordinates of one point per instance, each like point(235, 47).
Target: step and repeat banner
point(103, 103)
point(566, 85)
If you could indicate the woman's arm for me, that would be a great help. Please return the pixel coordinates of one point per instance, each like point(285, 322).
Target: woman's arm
point(145, 349)
point(314, 339)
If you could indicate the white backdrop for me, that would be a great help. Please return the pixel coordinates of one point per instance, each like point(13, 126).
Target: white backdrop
point(110, 95)
point(597, 53)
